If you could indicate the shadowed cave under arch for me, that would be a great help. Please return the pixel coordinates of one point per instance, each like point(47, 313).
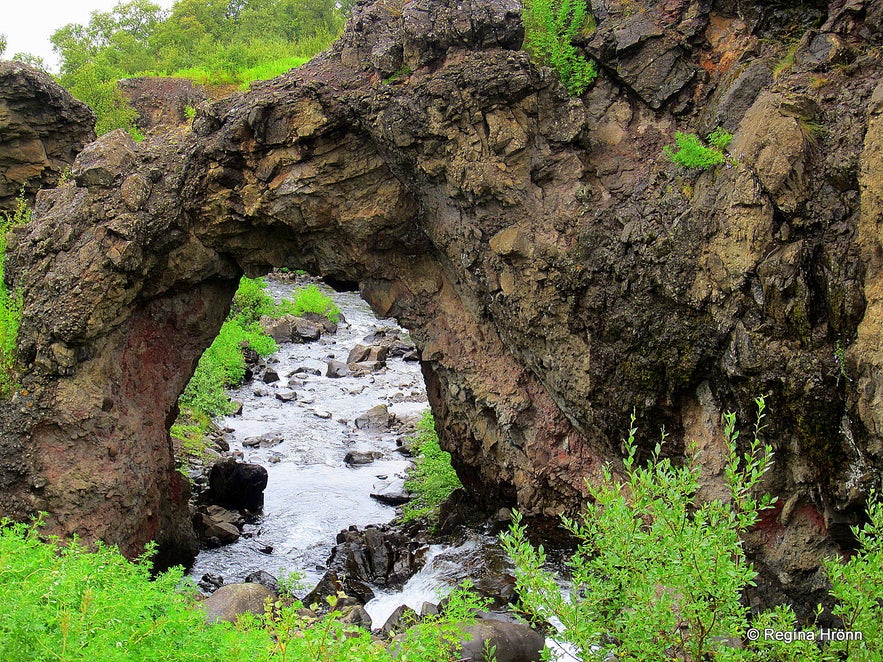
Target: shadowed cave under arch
point(549, 273)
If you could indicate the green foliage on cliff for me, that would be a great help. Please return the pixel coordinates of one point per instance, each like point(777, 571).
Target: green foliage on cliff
point(219, 42)
point(73, 605)
point(658, 574)
point(223, 363)
point(432, 479)
point(693, 153)
point(10, 303)
point(2, 44)
point(550, 27)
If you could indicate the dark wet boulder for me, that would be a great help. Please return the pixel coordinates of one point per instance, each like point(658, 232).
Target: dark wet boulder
point(512, 642)
point(238, 485)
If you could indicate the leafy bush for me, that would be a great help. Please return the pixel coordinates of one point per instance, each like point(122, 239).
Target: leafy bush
point(72, 605)
point(432, 479)
point(10, 303)
point(310, 299)
point(657, 574)
point(693, 153)
point(549, 27)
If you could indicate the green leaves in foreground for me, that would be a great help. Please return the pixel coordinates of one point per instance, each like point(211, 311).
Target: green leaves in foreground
point(658, 574)
point(74, 605)
point(549, 29)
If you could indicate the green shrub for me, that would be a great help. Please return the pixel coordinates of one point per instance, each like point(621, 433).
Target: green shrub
point(10, 303)
point(549, 29)
point(73, 605)
point(310, 299)
point(69, 604)
point(432, 479)
point(657, 574)
point(693, 153)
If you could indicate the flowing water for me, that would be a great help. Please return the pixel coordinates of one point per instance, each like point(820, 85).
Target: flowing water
point(311, 493)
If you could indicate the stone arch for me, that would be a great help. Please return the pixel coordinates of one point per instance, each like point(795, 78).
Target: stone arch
point(553, 270)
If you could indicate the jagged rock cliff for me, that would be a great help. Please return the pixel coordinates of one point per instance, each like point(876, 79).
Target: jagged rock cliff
point(42, 128)
point(555, 269)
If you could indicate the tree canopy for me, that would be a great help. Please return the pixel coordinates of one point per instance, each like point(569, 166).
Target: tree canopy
point(211, 41)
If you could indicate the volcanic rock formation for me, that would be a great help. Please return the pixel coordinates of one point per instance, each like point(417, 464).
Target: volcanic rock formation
point(555, 269)
point(42, 128)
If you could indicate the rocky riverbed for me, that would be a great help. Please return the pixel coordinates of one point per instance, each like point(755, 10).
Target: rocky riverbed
point(328, 437)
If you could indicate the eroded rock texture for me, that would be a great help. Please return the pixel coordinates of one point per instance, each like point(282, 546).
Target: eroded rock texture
point(555, 269)
point(42, 128)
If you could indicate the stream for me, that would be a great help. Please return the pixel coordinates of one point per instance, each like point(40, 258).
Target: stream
point(312, 493)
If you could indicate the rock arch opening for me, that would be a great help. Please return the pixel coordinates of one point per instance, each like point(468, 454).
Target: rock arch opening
point(553, 273)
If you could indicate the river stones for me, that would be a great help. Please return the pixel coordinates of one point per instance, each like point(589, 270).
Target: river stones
point(361, 457)
point(367, 353)
point(513, 642)
point(337, 369)
point(376, 418)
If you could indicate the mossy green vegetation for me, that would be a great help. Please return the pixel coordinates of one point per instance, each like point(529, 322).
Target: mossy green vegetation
point(69, 604)
point(310, 299)
point(432, 479)
point(10, 303)
point(214, 42)
point(659, 574)
point(691, 152)
point(550, 27)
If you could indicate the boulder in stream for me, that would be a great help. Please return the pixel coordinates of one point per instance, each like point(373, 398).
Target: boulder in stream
point(229, 602)
point(367, 353)
point(362, 457)
point(337, 369)
point(376, 418)
point(513, 642)
point(238, 485)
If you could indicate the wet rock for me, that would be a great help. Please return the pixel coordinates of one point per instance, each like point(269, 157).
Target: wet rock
point(381, 557)
point(260, 392)
point(428, 609)
point(264, 579)
point(329, 585)
point(306, 331)
point(367, 353)
point(411, 355)
point(238, 485)
point(232, 600)
point(326, 415)
point(392, 496)
point(513, 642)
point(217, 526)
point(356, 615)
point(361, 457)
point(400, 619)
point(267, 440)
point(366, 368)
point(306, 370)
point(270, 376)
point(286, 396)
point(376, 418)
point(210, 582)
point(337, 369)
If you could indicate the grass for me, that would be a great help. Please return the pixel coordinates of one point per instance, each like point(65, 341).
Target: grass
point(222, 365)
point(432, 479)
point(10, 303)
point(70, 604)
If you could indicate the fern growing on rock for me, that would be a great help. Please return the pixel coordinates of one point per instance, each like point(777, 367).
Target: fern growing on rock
point(550, 27)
